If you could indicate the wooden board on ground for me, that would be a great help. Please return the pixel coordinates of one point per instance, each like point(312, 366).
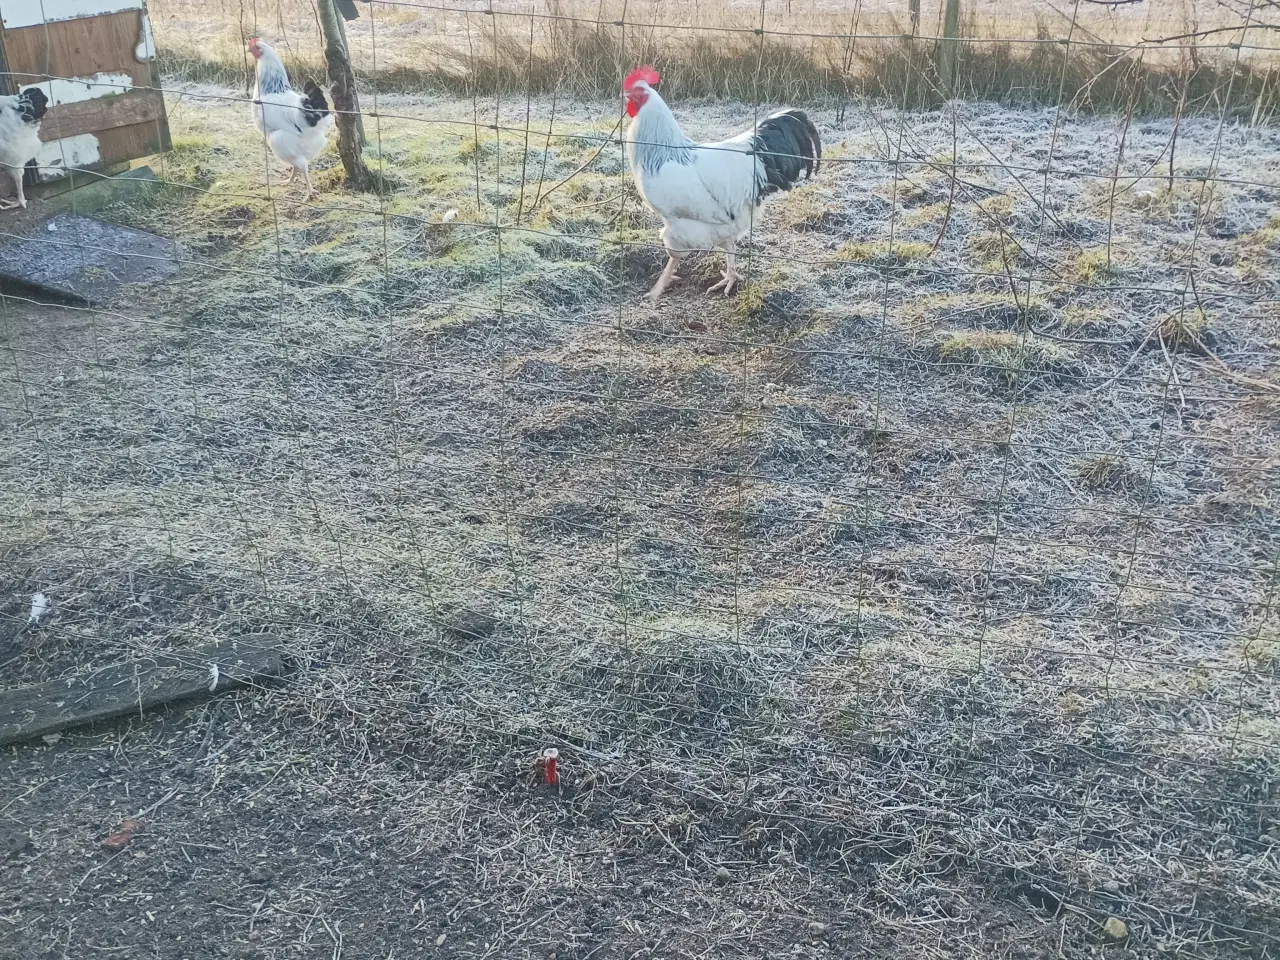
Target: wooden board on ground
point(133, 686)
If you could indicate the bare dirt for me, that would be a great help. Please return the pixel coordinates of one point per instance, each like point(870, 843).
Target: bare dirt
point(897, 606)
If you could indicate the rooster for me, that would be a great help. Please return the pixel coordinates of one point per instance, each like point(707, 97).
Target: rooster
point(295, 126)
point(707, 193)
point(20, 117)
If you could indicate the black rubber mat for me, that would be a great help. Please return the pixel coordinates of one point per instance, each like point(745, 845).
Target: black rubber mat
point(79, 258)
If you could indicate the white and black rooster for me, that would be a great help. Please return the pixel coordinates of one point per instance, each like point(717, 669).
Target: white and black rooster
point(707, 193)
point(20, 117)
point(295, 126)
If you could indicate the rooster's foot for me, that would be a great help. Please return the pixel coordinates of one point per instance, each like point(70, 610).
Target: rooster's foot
point(731, 279)
point(668, 274)
point(656, 293)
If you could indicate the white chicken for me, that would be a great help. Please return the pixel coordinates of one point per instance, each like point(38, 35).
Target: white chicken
point(707, 193)
point(295, 126)
point(20, 117)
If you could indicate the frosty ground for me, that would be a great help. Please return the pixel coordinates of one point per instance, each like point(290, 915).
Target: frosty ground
point(897, 606)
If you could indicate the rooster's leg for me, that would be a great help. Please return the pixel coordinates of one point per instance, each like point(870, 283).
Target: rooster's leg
point(668, 274)
point(306, 175)
point(293, 172)
point(730, 275)
point(20, 200)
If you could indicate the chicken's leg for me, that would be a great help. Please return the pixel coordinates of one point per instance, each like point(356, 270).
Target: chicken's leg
point(306, 175)
point(668, 274)
point(20, 200)
point(731, 277)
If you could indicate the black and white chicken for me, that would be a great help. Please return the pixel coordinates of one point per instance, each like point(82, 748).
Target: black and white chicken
point(707, 193)
point(295, 125)
point(20, 117)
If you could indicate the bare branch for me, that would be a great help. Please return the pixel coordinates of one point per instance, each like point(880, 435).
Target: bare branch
point(1201, 34)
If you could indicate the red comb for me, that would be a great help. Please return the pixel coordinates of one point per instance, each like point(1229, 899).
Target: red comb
point(641, 75)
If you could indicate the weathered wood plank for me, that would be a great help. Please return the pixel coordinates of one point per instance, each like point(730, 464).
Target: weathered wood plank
point(133, 686)
point(77, 48)
point(7, 84)
point(24, 14)
point(90, 70)
point(96, 116)
point(134, 141)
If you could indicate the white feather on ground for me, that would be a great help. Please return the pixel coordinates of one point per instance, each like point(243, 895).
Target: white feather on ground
point(39, 607)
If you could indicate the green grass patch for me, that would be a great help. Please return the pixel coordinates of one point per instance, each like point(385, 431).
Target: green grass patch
point(1011, 358)
point(883, 253)
point(996, 252)
point(1096, 267)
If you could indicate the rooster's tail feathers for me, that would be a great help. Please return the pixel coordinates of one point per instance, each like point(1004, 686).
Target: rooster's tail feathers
point(316, 106)
point(789, 146)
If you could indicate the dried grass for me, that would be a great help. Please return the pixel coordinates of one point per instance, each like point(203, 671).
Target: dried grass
point(510, 55)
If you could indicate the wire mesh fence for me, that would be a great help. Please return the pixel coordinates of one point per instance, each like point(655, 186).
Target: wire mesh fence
point(918, 598)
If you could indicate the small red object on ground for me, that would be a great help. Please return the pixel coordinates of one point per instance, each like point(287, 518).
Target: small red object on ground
point(550, 766)
point(123, 835)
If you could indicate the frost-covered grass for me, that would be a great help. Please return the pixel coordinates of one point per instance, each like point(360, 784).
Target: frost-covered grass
point(894, 599)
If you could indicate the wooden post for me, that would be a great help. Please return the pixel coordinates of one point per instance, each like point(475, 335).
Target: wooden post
point(913, 8)
point(355, 94)
point(947, 48)
point(343, 89)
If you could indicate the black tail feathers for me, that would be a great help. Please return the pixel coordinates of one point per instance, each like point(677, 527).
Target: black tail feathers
point(317, 107)
point(789, 145)
point(32, 105)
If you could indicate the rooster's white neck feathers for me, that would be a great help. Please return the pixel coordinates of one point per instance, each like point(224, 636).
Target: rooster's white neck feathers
point(272, 76)
point(654, 137)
